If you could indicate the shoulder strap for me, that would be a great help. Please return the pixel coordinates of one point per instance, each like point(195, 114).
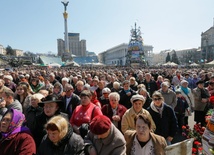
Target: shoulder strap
point(92, 112)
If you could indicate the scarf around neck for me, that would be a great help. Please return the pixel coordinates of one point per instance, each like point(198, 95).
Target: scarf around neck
point(185, 90)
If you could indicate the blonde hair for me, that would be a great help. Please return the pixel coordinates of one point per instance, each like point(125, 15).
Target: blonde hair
point(58, 123)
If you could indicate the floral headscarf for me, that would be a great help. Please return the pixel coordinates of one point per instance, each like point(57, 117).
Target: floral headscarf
point(16, 123)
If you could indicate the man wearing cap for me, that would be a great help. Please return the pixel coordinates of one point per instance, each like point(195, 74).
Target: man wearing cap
point(105, 137)
point(51, 107)
point(168, 95)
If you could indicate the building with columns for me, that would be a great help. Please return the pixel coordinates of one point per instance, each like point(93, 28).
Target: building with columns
point(207, 44)
point(117, 55)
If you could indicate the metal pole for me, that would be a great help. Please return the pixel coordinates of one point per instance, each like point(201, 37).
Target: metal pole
point(67, 53)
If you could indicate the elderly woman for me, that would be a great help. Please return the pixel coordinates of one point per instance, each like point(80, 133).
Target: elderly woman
point(143, 140)
point(15, 138)
point(114, 111)
point(60, 139)
point(104, 99)
point(85, 112)
point(188, 95)
point(137, 108)
point(116, 87)
point(142, 91)
point(51, 107)
point(34, 110)
point(163, 116)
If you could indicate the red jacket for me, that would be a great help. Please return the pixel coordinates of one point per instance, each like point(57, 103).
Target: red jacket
point(18, 144)
point(107, 111)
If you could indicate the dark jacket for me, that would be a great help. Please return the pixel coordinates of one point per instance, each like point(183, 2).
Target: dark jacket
point(74, 102)
point(125, 99)
point(18, 144)
point(166, 125)
point(151, 86)
point(71, 144)
point(39, 126)
point(107, 110)
point(30, 116)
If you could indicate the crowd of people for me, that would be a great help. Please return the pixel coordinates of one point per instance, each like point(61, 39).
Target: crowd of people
point(99, 111)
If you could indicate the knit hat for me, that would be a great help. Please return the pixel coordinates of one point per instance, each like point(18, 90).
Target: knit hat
point(137, 97)
point(100, 124)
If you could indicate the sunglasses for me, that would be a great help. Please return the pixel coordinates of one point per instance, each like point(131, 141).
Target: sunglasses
point(156, 99)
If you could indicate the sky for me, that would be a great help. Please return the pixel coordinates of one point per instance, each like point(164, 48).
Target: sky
point(35, 25)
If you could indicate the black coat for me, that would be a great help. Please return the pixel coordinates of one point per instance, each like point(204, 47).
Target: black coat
point(151, 86)
point(74, 102)
point(165, 125)
point(125, 99)
point(39, 126)
point(71, 144)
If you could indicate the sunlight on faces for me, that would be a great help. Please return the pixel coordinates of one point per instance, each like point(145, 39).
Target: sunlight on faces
point(56, 89)
point(137, 105)
point(157, 101)
point(5, 122)
point(85, 100)
point(185, 84)
point(54, 136)
point(113, 102)
point(34, 102)
point(142, 129)
point(19, 90)
point(50, 108)
point(126, 86)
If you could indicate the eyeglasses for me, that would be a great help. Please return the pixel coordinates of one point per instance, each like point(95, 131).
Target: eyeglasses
point(156, 99)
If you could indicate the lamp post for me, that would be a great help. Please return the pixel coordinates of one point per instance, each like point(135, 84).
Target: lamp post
point(66, 53)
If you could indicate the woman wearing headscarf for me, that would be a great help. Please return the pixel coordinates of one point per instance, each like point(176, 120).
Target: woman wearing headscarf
point(15, 138)
point(60, 139)
point(188, 95)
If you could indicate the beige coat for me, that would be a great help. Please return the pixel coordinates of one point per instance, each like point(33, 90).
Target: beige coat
point(128, 123)
point(158, 142)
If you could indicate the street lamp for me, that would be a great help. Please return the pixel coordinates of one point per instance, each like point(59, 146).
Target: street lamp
point(67, 54)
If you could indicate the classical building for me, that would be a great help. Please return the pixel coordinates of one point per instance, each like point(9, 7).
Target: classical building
point(207, 44)
point(117, 55)
point(76, 46)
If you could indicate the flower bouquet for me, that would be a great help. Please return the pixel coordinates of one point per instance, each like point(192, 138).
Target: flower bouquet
point(195, 133)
